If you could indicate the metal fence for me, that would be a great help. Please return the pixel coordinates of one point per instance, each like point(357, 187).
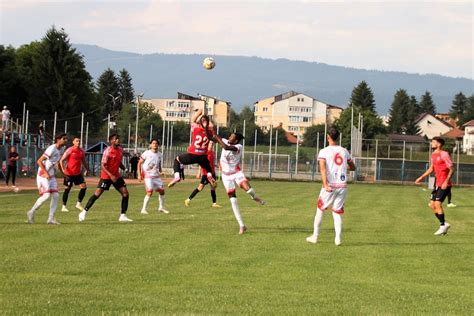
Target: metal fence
point(379, 162)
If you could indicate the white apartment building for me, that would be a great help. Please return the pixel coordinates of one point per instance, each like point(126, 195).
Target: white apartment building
point(294, 112)
point(468, 139)
point(182, 107)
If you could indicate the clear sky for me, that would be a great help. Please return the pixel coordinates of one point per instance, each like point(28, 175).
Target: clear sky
point(411, 36)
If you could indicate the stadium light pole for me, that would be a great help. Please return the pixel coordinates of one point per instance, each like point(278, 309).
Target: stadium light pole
point(136, 121)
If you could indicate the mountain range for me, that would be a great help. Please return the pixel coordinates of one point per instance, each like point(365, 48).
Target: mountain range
point(244, 80)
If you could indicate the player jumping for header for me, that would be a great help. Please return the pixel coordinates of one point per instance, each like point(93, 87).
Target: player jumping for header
point(197, 151)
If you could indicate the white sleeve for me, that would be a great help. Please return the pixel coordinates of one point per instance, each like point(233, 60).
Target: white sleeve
point(322, 155)
point(49, 151)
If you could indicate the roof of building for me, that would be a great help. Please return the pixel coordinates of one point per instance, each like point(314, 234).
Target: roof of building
point(407, 138)
point(291, 138)
point(423, 115)
point(455, 133)
point(184, 96)
point(470, 123)
point(216, 98)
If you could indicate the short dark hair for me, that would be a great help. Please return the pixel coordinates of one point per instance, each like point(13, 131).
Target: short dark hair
point(439, 140)
point(112, 136)
point(205, 117)
point(239, 136)
point(59, 136)
point(154, 139)
point(333, 133)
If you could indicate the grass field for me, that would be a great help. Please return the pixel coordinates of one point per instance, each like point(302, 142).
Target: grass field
point(192, 261)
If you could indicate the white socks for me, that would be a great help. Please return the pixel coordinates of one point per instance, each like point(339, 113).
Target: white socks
point(337, 224)
point(318, 219)
point(53, 205)
point(252, 193)
point(235, 208)
point(145, 202)
point(39, 202)
point(161, 198)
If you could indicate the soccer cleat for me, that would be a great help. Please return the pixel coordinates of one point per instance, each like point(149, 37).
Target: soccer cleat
point(162, 210)
point(259, 200)
point(124, 218)
point(446, 228)
point(451, 205)
point(173, 182)
point(31, 217)
point(242, 230)
point(53, 222)
point(143, 211)
point(443, 229)
point(216, 205)
point(82, 216)
point(64, 209)
point(187, 202)
point(312, 239)
point(337, 241)
point(79, 206)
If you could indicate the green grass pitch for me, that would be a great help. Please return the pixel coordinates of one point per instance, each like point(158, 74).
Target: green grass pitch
point(192, 261)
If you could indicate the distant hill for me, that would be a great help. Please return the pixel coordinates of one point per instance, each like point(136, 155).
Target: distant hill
point(244, 80)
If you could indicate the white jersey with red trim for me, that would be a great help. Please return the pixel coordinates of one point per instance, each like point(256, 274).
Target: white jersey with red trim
point(230, 159)
point(53, 155)
point(151, 163)
point(336, 158)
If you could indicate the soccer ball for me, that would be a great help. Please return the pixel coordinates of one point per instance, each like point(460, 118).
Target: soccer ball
point(209, 63)
point(16, 189)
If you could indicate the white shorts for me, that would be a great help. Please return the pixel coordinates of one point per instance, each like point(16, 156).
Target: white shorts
point(229, 181)
point(334, 200)
point(153, 184)
point(46, 185)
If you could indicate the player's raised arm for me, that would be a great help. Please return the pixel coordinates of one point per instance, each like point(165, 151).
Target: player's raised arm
point(217, 139)
point(196, 116)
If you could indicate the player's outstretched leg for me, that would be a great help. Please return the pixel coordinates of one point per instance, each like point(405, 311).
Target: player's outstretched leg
point(318, 219)
point(31, 213)
point(52, 208)
point(146, 200)
point(245, 185)
point(236, 210)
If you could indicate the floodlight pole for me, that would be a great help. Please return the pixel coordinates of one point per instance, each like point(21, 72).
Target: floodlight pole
point(136, 122)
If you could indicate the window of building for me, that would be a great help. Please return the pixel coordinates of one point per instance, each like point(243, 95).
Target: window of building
point(306, 119)
point(265, 109)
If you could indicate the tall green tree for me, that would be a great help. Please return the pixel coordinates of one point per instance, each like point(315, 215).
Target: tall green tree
point(11, 91)
point(468, 112)
point(362, 97)
point(362, 101)
point(310, 137)
point(458, 106)
point(399, 109)
point(126, 90)
point(55, 79)
point(412, 113)
point(108, 91)
point(426, 104)
point(415, 105)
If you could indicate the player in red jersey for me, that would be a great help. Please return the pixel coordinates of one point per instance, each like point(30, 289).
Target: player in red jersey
point(197, 151)
point(204, 181)
point(110, 175)
point(442, 166)
point(75, 157)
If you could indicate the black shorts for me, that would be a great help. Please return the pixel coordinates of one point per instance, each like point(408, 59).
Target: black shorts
point(204, 179)
point(76, 180)
point(439, 194)
point(105, 184)
point(190, 159)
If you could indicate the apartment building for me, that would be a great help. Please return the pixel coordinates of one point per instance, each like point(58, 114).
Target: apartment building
point(180, 109)
point(294, 112)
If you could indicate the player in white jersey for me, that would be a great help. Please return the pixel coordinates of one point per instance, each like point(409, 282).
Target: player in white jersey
point(232, 174)
point(334, 162)
point(150, 165)
point(46, 180)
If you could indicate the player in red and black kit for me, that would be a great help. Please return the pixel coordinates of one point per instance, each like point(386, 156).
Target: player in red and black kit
point(197, 151)
point(442, 165)
point(204, 180)
point(110, 175)
point(75, 157)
